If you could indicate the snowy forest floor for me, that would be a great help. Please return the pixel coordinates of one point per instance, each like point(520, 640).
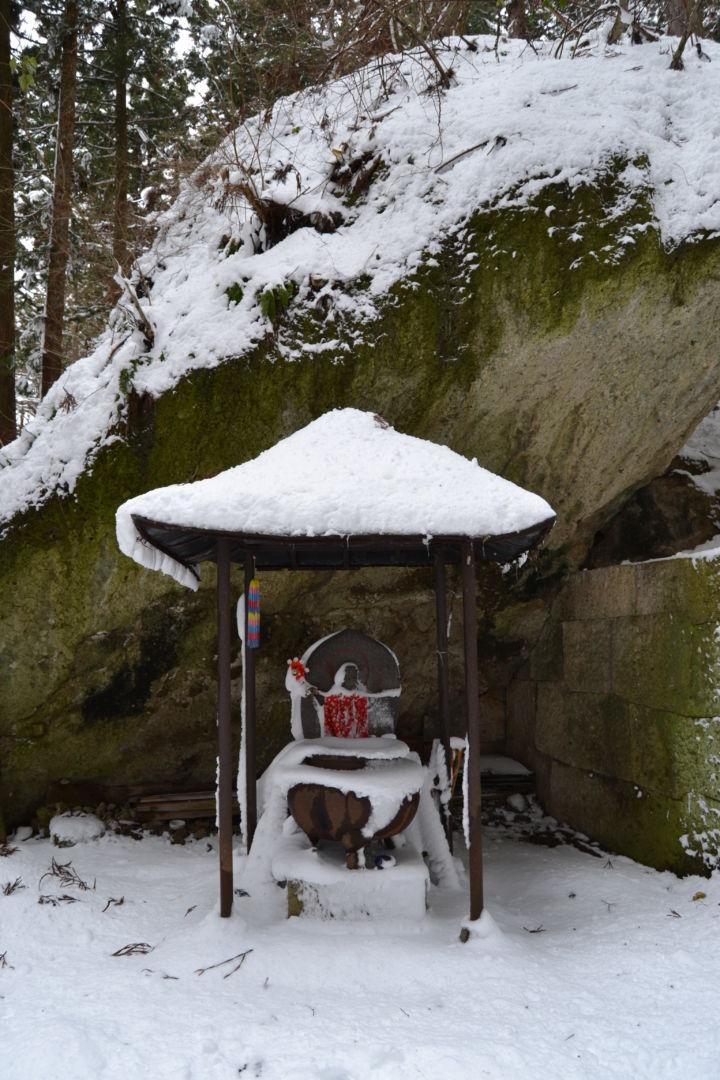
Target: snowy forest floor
point(601, 968)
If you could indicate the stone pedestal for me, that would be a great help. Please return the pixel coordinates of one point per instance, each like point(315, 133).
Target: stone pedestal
point(320, 887)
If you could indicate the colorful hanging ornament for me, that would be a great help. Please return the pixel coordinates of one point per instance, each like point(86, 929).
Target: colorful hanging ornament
point(253, 615)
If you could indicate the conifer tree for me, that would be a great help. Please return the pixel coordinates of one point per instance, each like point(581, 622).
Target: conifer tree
point(53, 359)
point(7, 235)
point(127, 158)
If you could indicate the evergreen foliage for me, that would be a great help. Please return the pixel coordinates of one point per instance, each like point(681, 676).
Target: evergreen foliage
point(158, 118)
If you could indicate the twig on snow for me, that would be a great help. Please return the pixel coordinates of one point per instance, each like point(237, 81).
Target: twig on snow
point(67, 875)
point(240, 957)
point(13, 886)
point(112, 900)
point(134, 947)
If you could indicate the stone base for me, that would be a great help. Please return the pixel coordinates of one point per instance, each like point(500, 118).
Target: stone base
point(319, 886)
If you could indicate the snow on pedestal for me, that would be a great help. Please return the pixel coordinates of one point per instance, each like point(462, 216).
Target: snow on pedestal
point(390, 775)
point(319, 885)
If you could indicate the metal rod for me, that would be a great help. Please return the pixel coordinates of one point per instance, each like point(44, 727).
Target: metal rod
point(250, 808)
point(441, 627)
point(472, 695)
point(225, 769)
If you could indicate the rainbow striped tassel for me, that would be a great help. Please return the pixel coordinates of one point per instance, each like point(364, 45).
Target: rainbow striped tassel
point(253, 615)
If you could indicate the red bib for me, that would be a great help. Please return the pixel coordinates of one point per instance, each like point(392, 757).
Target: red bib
point(346, 716)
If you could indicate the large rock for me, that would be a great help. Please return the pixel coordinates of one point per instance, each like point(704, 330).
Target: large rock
point(567, 361)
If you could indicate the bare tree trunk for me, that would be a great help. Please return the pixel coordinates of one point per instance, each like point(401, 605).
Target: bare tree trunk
point(7, 237)
point(52, 351)
point(691, 26)
point(682, 16)
point(121, 246)
point(519, 26)
point(676, 15)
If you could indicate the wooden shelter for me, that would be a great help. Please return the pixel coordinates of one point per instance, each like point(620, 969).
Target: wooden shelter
point(425, 506)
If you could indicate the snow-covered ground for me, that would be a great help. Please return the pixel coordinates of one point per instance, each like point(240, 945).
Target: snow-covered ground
point(508, 126)
point(602, 969)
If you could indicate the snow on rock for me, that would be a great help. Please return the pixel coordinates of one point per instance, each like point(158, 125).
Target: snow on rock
point(702, 452)
point(509, 125)
point(498, 764)
point(374, 480)
point(68, 829)
point(703, 448)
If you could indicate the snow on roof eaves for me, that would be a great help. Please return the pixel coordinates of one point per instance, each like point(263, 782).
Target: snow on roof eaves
point(347, 473)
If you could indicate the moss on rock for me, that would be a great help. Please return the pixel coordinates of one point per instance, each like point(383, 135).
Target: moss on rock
point(626, 726)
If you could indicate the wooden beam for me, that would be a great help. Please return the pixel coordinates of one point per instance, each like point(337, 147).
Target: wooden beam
point(441, 627)
point(250, 808)
point(472, 695)
point(225, 766)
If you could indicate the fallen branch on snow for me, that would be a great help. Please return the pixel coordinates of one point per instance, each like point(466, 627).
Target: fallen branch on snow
point(240, 957)
point(13, 886)
point(112, 900)
point(66, 874)
point(134, 947)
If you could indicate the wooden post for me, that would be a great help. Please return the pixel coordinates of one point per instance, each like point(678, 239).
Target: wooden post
point(225, 769)
point(441, 628)
point(472, 695)
point(250, 808)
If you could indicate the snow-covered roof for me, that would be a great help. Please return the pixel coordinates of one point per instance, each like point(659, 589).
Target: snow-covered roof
point(348, 473)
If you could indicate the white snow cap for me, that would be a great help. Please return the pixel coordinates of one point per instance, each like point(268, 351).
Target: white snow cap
point(348, 473)
point(67, 829)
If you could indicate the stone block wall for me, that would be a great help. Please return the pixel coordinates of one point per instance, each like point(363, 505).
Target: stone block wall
point(618, 710)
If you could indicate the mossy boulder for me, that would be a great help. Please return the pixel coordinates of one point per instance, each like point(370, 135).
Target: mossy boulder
point(538, 340)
